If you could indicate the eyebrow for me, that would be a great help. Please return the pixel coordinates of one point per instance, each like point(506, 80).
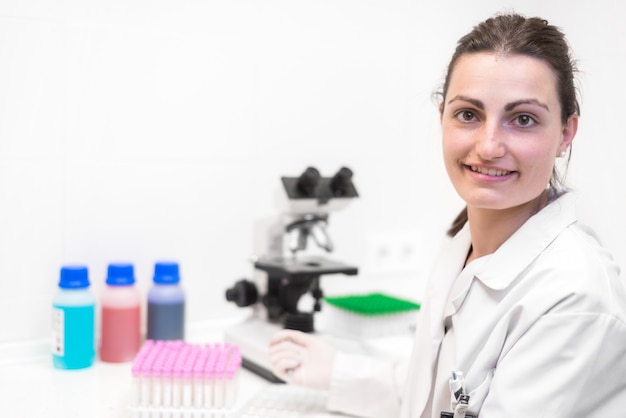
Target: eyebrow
point(508, 107)
point(475, 102)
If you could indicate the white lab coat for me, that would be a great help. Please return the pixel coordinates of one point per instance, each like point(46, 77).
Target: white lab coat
point(539, 331)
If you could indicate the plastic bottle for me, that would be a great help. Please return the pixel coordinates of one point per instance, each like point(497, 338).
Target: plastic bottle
point(166, 304)
point(73, 320)
point(120, 337)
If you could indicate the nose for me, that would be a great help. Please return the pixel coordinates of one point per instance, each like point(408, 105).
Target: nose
point(490, 142)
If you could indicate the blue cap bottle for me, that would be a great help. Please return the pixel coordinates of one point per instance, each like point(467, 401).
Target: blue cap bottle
point(73, 320)
point(166, 304)
point(120, 315)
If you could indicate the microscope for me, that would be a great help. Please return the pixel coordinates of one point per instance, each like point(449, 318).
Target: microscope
point(290, 267)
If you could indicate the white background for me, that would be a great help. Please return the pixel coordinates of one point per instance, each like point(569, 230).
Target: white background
point(140, 130)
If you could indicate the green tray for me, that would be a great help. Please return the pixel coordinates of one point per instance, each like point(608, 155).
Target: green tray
point(372, 304)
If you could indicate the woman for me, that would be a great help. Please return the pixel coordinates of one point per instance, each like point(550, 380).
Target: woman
point(525, 314)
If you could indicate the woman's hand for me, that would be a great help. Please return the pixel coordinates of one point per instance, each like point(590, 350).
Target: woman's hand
point(302, 359)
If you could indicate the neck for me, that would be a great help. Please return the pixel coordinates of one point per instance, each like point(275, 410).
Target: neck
point(490, 228)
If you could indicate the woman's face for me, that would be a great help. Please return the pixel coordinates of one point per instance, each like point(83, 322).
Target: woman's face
point(502, 129)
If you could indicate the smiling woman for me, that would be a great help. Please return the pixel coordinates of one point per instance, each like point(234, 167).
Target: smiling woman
point(517, 39)
point(526, 312)
point(502, 130)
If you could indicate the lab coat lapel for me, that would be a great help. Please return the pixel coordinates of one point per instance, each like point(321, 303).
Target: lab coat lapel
point(443, 278)
point(431, 327)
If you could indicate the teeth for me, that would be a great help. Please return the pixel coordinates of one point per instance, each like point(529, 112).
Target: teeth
point(489, 171)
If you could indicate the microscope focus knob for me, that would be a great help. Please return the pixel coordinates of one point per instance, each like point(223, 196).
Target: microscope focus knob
point(300, 321)
point(243, 293)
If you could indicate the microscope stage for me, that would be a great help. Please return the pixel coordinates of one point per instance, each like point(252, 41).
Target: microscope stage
point(305, 266)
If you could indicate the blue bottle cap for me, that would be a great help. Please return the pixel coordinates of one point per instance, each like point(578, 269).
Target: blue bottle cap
point(120, 274)
point(74, 277)
point(166, 273)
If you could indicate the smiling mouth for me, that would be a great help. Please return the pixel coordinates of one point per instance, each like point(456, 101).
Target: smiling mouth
point(489, 171)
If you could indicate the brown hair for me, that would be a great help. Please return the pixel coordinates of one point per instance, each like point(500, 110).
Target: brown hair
point(513, 34)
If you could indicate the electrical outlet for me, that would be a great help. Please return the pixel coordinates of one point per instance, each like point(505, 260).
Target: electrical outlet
point(394, 254)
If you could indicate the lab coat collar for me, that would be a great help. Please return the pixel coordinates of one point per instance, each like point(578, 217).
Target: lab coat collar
point(527, 243)
point(463, 284)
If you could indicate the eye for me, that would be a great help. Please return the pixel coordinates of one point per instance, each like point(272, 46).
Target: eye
point(465, 116)
point(524, 120)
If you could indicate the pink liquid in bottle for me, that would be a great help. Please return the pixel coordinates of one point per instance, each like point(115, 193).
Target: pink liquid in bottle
point(120, 337)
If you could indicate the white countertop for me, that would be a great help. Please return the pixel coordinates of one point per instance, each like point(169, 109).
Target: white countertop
point(30, 387)
point(34, 388)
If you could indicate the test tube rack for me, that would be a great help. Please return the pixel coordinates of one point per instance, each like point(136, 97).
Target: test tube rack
point(176, 379)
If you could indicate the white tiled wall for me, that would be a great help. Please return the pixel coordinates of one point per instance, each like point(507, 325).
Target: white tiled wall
point(141, 130)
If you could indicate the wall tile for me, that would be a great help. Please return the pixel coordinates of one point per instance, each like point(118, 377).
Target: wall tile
point(32, 89)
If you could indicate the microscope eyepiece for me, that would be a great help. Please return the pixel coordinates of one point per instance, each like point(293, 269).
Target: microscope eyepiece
point(308, 182)
point(341, 183)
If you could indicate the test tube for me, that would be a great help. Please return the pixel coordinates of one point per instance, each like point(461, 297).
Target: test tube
point(198, 378)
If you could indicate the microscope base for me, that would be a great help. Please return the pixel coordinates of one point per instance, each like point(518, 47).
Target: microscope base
point(253, 338)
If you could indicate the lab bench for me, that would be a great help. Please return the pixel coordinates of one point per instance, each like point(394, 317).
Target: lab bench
point(30, 387)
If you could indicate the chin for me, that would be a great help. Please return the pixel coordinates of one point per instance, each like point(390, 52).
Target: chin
point(491, 202)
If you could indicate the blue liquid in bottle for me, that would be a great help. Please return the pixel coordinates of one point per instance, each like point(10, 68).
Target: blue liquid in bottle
point(73, 320)
point(166, 304)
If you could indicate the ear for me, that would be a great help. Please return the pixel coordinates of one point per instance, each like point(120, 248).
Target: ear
point(569, 132)
point(440, 111)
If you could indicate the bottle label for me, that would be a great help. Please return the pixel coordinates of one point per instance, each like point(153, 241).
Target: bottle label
point(58, 332)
